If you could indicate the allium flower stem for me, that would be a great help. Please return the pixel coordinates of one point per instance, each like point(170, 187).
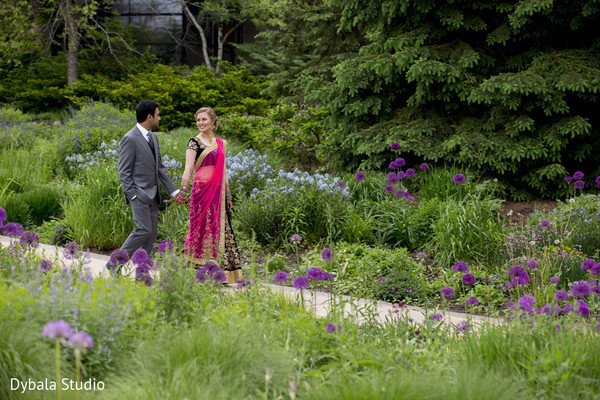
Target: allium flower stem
point(57, 364)
point(77, 371)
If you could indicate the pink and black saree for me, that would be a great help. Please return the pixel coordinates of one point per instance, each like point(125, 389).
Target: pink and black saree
point(210, 237)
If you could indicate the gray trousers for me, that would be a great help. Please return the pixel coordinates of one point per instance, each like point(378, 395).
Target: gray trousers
point(145, 218)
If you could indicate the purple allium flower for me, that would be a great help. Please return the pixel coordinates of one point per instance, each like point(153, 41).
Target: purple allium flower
point(596, 290)
point(295, 238)
point(330, 328)
point(598, 181)
point(424, 167)
point(561, 296)
point(447, 292)
point(71, 251)
point(327, 276)
point(280, 277)
point(400, 175)
point(393, 165)
point(460, 266)
point(45, 265)
point(580, 289)
point(551, 309)
point(518, 275)
point(399, 193)
point(29, 239)
point(12, 229)
point(578, 175)
point(583, 310)
point(80, 341)
point(300, 282)
point(243, 283)
point(511, 305)
point(210, 271)
point(389, 189)
point(360, 176)
point(165, 246)
point(326, 254)
point(459, 179)
point(579, 185)
point(533, 264)
point(2, 216)
point(400, 162)
point(341, 184)
point(471, 301)
point(554, 279)
point(391, 178)
point(526, 300)
point(56, 330)
point(395, 146)
point(568, 178)
point(597, 328)
point(410, 198)
point(314, 274)
point(588, 264)
point(545, 224)
point(139, 257)
point(437, 317)
point(567, 308)
point(463, 326)
point(595, 271)
point(469, 279)
point(142, 274)
point(410, 173)
point(118, 257)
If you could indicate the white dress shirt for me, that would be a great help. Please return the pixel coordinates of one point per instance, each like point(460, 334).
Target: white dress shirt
point(147, 137)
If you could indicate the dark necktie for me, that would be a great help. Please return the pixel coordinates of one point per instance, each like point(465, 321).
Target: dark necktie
point(150, 142)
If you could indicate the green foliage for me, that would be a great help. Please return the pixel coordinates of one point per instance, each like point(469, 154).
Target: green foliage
point(96, 210)
point(509, 90)
point(38, 204)
point(402, 285)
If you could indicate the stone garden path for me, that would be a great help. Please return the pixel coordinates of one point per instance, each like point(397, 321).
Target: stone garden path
point(361, 309)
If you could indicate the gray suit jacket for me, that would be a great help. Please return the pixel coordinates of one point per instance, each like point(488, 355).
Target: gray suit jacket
point(139, 171)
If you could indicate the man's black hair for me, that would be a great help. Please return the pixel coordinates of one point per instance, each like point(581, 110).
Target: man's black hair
point(145, 108)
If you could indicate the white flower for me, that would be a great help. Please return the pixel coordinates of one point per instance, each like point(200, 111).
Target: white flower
point(571, 200)
point(495, 179)
point(508, 214)
point(557, 241)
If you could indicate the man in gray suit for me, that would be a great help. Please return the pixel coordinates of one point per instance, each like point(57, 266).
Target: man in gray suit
point(140, 169)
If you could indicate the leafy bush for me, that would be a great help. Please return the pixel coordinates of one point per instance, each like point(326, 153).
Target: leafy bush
point(44, 202)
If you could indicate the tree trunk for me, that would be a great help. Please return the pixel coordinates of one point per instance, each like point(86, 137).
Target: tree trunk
point(220, 43)
point(72, 43)
point(194, 21)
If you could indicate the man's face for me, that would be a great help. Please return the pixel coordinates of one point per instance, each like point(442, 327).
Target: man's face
point(154, 119)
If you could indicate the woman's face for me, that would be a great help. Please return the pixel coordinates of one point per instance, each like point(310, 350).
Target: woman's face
point(205, 124)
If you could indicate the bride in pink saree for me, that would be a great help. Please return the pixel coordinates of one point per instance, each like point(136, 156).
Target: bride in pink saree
point(210, 237)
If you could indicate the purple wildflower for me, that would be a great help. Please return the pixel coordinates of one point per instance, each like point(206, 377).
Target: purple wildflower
point(45, 265)
point(545, 224)
point(400, 162)
point(469, 279)
point(551, 309)
point(410, 173)
point(360, 176)
point(2, 216)
point(400, 175)
point(315, 274)
point(326, 254)
point(80, 341)
point(165, 246)
point(280, 277)
point(583, 309)
point(389, 189)
point(579, 185)
point(568, 178)
point(526, 300)
point(595, 271)
point(410, 198)
point(142, 274)
point(459, 179)
point(393, 165)
point(56, 330)
point(460, 266)
point(567, 308)
point(447, 292)
point(29, 239)
point(511, 305)
point(243, 283)
point(330, 328)
point(210, 271)
point(118, 257)
point(518, 275)
point(341, 184)
point(580, 289)
point(598, 181)
point(554, 279)
point(421, 255)
point(327, 276)
point(596, 290)
point(12, 229)
point(424, 167)
point(437, 317)
point(578, 175)
point(463, 326)
point(139, 257)
point(561, 296)
point(300, 282)
point(71, 251)
point(395, 146)
point(392, 178)
point(471, 301)
point(588, 264)
point(399, 193)
point(295, 238)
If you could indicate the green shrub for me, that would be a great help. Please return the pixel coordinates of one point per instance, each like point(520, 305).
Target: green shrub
point(44, 202)
point(17, 210)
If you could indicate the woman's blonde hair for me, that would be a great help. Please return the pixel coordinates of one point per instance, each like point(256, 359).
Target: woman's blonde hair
point(211, 113)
